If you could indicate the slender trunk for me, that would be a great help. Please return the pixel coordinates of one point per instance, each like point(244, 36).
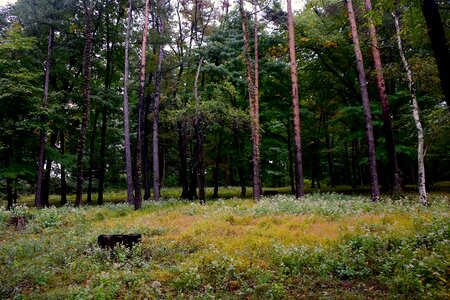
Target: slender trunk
point(102, 169)
point(42, 134)
point(329, 155)
point(156, 173)
point(415, 112)
point(48, 168)
point(87, 61)
point(216, 168)
point(439, 44)
point(182, 151)
point(146, 146)
point(137, 185)
point(199, 139)
point(290, 158)
point(239, 149)
point(91, 158)
point(375, 189)
point(126, 108)
point(252, 96)
point(299, 192)
point(386, 114)
point(63, 171)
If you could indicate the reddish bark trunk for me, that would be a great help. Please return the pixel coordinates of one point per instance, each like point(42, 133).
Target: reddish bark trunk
point(386, 114)
point(299, 192)
point(375, 190)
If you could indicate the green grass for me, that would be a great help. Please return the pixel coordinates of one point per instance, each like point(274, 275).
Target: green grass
point(325, 246)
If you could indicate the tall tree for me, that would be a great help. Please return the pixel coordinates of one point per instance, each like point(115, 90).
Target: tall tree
point(156, 177)
point(140, 122)
point(199, 139)
point(252, 70)
point(126, 117)
point(87, 65)
point(386, 114)
point(439, 44)
point(375, 190)
point(415, 112)
point(295, 107)
point(38, 201)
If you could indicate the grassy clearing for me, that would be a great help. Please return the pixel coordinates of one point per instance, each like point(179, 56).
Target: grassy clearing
point(327, 246)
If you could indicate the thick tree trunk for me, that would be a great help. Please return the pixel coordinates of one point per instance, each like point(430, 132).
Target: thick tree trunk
point(63, 171)
point(439, 44)
point(138, 178)
point(299, 192)
point(253, 97)
point(156, 170)
point(87, 61)
point(415, 112)
point(375, 189)
point(387, 124)
point(126, 108)
point(91, 158)
point(42, 134)
point(48, 168)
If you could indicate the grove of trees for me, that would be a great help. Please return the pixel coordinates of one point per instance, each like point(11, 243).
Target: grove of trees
point(102, 95)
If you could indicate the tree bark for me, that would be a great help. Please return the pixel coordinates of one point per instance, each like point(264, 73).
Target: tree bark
point(252, 96)
point(299, 192)
point(126, 108)
point(375, 189)
point(439, 44)
point(137, 184)
point(415, 112)
point(38, 202)
point(91, 158)
point(385, 111)
point(87, 61)
point(48, 168)
point(156, 173)
point(290, 158)
point(63, 171)
point(199, 140)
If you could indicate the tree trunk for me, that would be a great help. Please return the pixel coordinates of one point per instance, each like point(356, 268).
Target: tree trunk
point(290, 158)
point(146, 146)
point(299, 192)
point(102, 169)
point(375, 189)
point(48, 168)
point(439, 44)
point(253, 91)
point(63, 171)
point(87, 61)
point(415, 112)
point(137, 184)
point(182, 151)
point(43, 132)
point(156, 173)
point(216, 168)
point(126, 108)
point(199, 140)
point(91, 158)
point(330, 161)
point(387, 124)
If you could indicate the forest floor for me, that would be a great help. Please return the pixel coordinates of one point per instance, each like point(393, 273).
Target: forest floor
point(325, 246)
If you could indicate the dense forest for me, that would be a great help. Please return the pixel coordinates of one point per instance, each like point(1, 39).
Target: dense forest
point(140, 95)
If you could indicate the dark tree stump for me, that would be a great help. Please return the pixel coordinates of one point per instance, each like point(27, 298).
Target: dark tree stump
point(271, 193)
point(19, 222)
point(111, 241)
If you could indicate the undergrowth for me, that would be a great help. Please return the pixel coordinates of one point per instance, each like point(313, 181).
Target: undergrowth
point(323, 246)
